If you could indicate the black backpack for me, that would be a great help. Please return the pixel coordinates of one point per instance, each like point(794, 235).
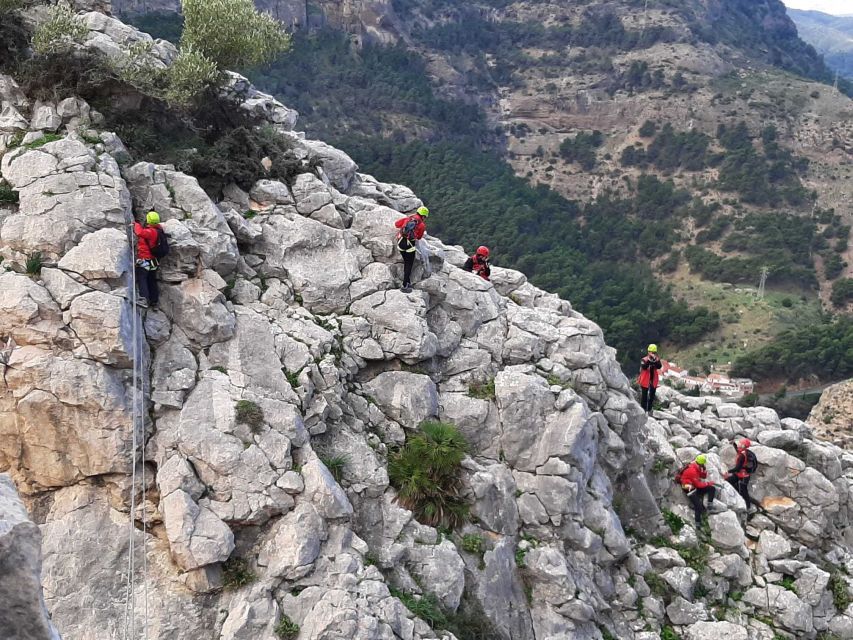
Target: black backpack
point(161, 248)
point(408, 230)
point(750, 465)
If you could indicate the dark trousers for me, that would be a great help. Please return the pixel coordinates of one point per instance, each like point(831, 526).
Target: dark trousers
point(741, 485)
point(146, 282)
point(697, 499)
point(647, 400)
point(408, 263)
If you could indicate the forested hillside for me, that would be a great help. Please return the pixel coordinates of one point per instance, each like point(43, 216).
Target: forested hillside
point(641, 166)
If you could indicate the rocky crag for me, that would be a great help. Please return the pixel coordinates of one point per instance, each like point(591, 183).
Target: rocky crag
point(282, 301)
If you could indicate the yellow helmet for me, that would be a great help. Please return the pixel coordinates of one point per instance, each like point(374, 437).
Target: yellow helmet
point(152, 218)
point(653, 348)
point(701, 459)
point(423, 212)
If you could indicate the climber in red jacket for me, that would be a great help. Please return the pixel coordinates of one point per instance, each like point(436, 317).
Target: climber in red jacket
point(147, 236)
point(411, 229)
point(649, 377)
point(746, 463)
point(479, 263)
point(693, 482)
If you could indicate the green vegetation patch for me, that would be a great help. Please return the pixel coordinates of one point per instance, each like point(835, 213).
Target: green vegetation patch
point(249, 413)
point(482, 390)
point(286, 629)
point(426, 471)
point(236, 573)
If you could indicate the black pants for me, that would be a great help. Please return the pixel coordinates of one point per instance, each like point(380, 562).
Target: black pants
point(697, 499)
point(408, 263)
point(648, 399)
point(741, 485)
point(146, 282)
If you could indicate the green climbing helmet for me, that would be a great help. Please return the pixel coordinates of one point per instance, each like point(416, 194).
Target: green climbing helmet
point(152, 218)
point(701, 459)
point(653, 348)
point(423, 212)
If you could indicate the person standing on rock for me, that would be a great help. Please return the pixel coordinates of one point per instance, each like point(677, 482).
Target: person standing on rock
point(695, 485)
point(151, 244)
point(411, 229)
point(479, 263)
point(746, 463)
point(649, 377)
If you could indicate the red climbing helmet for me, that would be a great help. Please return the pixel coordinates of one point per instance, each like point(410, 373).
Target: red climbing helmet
point(745, 443)
point(483, 251)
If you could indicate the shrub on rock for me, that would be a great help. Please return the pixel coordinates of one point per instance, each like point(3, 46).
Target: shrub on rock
point(426, 472)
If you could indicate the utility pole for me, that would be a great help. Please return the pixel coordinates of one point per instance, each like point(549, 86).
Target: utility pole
point(836, 80)
point(764, 272)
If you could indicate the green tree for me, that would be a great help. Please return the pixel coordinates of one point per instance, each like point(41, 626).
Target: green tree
point(842, 292)
point(60, 31)
point(232, 33)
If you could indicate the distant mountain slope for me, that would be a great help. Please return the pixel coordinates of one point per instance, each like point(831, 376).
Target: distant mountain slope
point(832, 36)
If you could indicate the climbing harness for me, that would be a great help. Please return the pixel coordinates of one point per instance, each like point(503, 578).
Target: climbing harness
point(137, 430)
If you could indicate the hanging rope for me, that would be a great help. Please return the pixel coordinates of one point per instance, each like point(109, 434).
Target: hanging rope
point(137, 429)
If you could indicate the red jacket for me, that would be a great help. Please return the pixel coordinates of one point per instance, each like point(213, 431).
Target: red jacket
point(649, 372)
point(740, 465)
point(694, 475)
point(147, 239)
point(420, 229)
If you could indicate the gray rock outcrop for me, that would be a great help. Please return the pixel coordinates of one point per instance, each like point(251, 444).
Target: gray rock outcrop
point(284, 368)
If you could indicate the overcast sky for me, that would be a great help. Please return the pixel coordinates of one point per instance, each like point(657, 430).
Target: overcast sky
point(836, 7)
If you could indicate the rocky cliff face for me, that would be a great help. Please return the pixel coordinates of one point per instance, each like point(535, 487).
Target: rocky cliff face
point(282, 302)
point(832, 416)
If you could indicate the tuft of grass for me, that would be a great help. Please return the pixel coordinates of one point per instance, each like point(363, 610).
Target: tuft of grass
point(292, 378)
point(668, 633)
point(7, 194)
point(660, 467)
point(219, 369)
point(840, 592)
point(236, 574)
point(788, 583)
point(695, 557)
point(426, 471)
point(249, 413)
point(673, 520)
point(16, 140)
point(658, 585)
point(426, 607)
point(48, 137)
point(34, 263)
point(474, 543)
point(248, 215)
point(605, 634)
point(286, 629)
point(482, 390)
point(335, 465)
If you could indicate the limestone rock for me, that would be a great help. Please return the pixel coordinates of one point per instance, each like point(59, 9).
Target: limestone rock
point(408, 398)
point(104, 254)
point(196, 536)
point(23, 613)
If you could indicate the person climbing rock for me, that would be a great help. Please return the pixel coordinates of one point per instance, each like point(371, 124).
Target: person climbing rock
point(411, 229)
point(649, 377)
point(746, 463)
point(479, 263)
point(695, 485)
point(151, 244)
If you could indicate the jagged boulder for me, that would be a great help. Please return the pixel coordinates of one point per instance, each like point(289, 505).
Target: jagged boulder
point(23, 614)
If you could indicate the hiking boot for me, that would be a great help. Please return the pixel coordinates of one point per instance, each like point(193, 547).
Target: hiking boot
point(142, 302)
point(406, 289)
point(717, 507)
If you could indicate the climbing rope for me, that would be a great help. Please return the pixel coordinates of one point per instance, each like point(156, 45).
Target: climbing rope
point(137, 428)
